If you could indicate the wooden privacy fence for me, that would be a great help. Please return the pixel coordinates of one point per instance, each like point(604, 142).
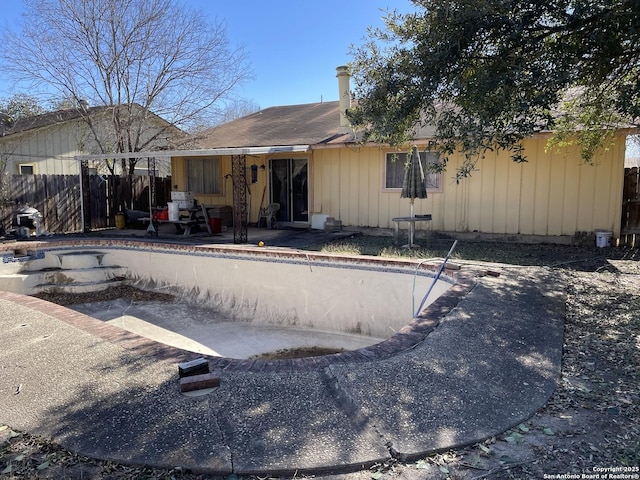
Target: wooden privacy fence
point(110, 195)
point(57, 198)
point(630, 226)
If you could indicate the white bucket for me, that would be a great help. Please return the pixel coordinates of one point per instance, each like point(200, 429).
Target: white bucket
point(317, 221)
point(603, 238)
point(174, 211)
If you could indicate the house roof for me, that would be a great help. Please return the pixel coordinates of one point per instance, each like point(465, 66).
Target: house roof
point(53, 118)
point(306, 124)
point(313, 124)
point(38, 121)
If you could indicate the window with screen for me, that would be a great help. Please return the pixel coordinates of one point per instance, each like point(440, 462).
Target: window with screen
point(395, 168)
point(203, 175)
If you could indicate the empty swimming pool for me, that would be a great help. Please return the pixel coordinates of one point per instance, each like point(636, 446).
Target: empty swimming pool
point(231, 301)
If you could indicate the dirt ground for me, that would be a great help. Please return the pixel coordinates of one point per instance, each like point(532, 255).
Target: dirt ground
point(590, 427)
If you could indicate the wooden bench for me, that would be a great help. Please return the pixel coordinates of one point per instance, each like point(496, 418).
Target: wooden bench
point(411, 221)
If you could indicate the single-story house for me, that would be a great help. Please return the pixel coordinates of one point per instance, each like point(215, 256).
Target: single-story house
point(304, 158)
point(48, 144)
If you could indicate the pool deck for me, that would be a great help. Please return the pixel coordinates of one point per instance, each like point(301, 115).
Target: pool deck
point(490, 363)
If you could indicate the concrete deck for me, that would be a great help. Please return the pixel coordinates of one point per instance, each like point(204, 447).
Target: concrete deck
point(492, 361)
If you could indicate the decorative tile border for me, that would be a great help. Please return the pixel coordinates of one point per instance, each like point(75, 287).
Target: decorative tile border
point(262, 254)
point(292, 258)
point(409, 336)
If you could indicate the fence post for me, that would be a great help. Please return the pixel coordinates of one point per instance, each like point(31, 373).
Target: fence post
point(86, 197)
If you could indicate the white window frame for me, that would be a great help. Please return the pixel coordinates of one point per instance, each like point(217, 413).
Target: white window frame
point(31, 165)
point(434, 180)
point(204, 175)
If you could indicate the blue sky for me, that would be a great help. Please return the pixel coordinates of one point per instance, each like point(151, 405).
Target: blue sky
point(293, 45)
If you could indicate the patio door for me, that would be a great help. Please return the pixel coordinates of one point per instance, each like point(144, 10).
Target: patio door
point(289, 186)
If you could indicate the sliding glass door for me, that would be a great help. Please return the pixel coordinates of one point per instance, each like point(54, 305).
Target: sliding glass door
point(289, 186)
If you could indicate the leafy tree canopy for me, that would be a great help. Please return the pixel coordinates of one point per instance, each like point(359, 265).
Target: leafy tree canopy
point(485, 74)
point(21, 105)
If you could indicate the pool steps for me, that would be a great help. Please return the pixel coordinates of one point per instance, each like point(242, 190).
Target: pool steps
point(29, 272)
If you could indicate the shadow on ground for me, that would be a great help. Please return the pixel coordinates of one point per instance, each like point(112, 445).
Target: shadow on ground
point(491, 363)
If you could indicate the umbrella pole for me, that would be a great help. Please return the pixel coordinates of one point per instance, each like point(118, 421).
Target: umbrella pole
point(411, 227)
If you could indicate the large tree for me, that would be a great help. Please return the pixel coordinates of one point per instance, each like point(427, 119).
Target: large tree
point(488, 73)
point(137, 57)
point(20, 105)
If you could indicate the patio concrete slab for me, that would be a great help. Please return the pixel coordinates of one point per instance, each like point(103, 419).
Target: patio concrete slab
point(488, 366)
point(286, 422)
point(101, 400)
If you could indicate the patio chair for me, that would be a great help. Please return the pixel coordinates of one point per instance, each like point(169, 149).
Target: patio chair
point(269, 214)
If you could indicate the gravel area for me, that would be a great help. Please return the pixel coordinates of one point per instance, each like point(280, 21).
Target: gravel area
point(591, 422)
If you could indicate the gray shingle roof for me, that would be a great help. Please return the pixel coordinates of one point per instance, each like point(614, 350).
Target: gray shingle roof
point(37, 121)
point(306, 124)
point(57, 117)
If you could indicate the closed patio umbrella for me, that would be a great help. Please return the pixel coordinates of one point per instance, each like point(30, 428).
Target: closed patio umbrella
point(414, 185)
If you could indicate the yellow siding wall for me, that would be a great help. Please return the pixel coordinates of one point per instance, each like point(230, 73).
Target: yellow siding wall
point(257, 195)
point(554, 193)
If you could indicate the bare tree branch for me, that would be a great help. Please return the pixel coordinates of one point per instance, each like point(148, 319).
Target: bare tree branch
point(141, 57)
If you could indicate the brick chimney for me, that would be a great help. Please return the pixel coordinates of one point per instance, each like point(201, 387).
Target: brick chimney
point(344, 90)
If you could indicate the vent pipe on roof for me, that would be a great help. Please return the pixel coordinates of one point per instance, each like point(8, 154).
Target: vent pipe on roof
point(344, 90)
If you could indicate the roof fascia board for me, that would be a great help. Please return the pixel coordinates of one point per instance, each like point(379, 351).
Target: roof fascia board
point(420, 140)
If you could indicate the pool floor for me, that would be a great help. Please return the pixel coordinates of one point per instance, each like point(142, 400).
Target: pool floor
point(204, 331)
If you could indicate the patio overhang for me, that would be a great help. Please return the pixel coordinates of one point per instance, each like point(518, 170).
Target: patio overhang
point(209, 152)
point(152, 156)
